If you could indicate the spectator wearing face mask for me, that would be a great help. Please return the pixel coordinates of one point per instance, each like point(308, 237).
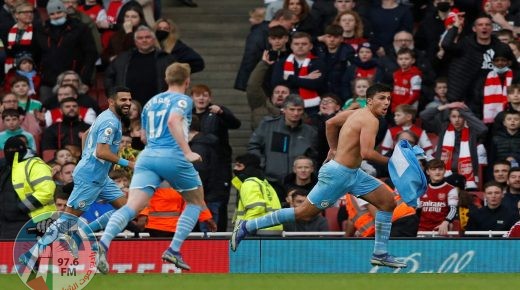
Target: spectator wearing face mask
point(167, 35)
point(65, 44)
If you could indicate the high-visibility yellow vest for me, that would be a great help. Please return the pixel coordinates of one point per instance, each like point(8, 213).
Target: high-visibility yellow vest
point(256, 198)
point(32, 181)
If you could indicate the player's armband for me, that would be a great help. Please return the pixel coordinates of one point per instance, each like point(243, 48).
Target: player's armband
point(123, 162)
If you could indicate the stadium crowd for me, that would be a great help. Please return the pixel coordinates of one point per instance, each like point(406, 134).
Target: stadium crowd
point(454, 66)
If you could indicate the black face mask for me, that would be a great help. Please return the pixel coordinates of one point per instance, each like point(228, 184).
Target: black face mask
point(161, 34)
point(13, 145)
point(443, 6)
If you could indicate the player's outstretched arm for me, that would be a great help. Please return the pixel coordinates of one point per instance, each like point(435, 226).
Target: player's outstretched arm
point(175, 125)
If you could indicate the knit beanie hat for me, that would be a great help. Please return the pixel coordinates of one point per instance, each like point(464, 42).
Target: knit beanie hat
point(55, 6)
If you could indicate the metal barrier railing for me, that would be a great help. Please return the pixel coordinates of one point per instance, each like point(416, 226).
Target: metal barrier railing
point(420, 234)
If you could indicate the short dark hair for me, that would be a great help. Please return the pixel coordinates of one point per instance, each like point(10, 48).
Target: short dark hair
point(19, 78)
point(334, 30)
point(119, 89)
point(377, 88)
point(512, 88)
point(511, 112)
point(60, 193)
point(482, 15)
point(514, 169)
point(300, 34)
point(406, 50)
point(10, 113)
point(435, 163)
point(298, 192)
point(493, 183)
point(441, 80)
point(278, 31)
point(502, 162)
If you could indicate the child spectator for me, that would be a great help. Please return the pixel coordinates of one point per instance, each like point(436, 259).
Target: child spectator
point(121, 178)
point(441, 93)
point(495, 86)
point(24, 67)
point(407, 80)
point(505, 144)
point(403, 117)
point(359, 100)
point(27, 121)
point(438, 206)
point(364, 65)
point(11, 120)
point(20, 88)
point(513, 105)
point(256, 15)
point(63, 156)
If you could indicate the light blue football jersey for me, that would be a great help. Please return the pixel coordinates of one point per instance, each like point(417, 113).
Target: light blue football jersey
point(154, 119)
point(106, 129)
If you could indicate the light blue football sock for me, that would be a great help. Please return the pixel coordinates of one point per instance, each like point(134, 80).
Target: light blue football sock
point(101, 222)
point(280, 216)
point(61, 226)
point(383, 224)
point(186, 222)
point(116, 224)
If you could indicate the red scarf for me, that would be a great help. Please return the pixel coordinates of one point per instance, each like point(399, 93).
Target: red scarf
point(495, 95)
point(310, 97)
point(25, 40)
point(113, 10)
point(465, 166)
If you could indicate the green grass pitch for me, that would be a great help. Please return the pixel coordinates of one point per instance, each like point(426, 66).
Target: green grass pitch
point(293, 281)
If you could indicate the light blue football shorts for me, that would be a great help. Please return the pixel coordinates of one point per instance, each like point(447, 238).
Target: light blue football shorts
point(85, 193)
point(335, 180)
point(155, 165)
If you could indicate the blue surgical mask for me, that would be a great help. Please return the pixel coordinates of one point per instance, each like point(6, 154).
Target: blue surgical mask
point(59, 21)
point(501, 70)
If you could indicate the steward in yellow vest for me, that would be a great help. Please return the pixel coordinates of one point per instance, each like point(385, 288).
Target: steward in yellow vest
point(256, 197)
point(31, 178)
